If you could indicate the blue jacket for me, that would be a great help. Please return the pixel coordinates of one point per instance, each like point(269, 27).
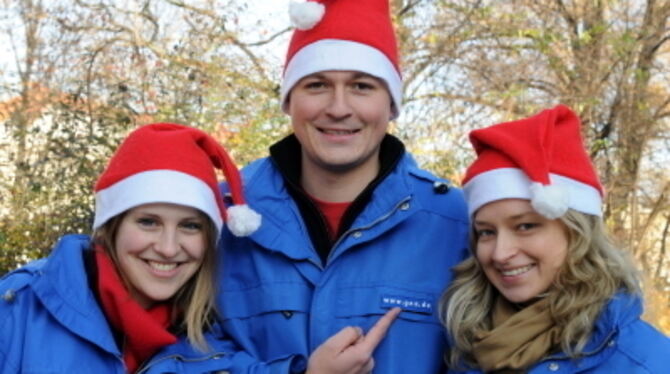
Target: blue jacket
point(50, 322)
point(279, 302)
point(621, 343)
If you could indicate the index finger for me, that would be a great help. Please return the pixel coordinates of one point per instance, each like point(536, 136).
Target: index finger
point(378, 331)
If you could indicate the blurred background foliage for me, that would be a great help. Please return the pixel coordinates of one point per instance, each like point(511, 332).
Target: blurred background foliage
point(78, 75)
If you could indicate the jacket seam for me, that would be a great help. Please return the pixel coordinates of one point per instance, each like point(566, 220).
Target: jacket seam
point(640, 363)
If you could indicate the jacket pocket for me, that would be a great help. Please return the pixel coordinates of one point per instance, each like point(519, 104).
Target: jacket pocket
point(414, 343)
point(419, 306)
point(258, 319)
point(284, 298)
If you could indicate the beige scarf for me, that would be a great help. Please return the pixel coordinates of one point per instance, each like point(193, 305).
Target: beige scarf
point(519, 338)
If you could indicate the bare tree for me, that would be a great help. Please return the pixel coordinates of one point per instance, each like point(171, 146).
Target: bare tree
point(89, 71)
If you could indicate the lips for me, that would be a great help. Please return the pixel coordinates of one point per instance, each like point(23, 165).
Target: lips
point(162, 266)
point(516, 271)
point(337, 131)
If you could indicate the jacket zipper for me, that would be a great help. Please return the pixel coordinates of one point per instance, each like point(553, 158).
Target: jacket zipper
point(367, 227)
point(145, 367)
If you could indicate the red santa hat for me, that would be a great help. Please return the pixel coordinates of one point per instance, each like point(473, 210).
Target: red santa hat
point(354, 35)
point(541, 159)
point(170, 163)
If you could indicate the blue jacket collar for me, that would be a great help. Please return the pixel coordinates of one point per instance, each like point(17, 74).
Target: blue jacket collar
point(63, 289)
point(287, 155)
point(621, 310)
point(283, 228)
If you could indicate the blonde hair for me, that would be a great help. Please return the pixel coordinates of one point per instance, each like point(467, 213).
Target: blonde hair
point(594, 270)
point(195, 300)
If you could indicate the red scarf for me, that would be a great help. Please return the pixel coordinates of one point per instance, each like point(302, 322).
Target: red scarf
point(144, 331)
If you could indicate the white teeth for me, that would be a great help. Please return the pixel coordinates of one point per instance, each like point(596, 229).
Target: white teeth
point(517, 271)
point(162, 266)
point(338, 132)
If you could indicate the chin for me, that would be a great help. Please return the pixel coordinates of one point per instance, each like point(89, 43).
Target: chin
point(518, 298)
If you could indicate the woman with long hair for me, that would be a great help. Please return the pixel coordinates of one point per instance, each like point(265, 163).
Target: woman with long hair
point(545, 290)
point(139, 296)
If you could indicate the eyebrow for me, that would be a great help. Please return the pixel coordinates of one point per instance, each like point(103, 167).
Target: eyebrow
point(357, 75)
point(512, 218)
point(313, 76)
point(146, 212)
point(360, 74)
point(521, 215)
point(158, 215)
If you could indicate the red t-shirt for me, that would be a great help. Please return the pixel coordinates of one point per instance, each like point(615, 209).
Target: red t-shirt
point(333, 213)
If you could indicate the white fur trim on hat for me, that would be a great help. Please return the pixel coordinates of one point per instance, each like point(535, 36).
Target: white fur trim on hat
point(342, 55)
point(305, 15)
point(513, 183)
point(156, 186)
point(242, 220)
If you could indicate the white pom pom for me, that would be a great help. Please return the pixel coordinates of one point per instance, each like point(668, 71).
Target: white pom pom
point(242, 220)
point(305, 15)
point(550, 201)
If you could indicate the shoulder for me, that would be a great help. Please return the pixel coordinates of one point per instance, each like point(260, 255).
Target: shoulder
point(17, 279)
point(17, 301)
point(262, 169)
point(29, 314)
point(66, 251)
point(634, 342)
point(629, 337)
point(435, 193)
point(254, 167)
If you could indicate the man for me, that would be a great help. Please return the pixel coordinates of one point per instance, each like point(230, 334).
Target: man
point(351, 226)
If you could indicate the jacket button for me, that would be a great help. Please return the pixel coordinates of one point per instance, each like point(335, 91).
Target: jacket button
point(404, 206)
point(440, 187)
point(9, 296)
point(553, 366)
point(357, 234)
point(610, 343)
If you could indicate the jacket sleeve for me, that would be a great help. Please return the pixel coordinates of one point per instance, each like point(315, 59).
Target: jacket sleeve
point(241, 361)
point(225, 356)
point(11, 310)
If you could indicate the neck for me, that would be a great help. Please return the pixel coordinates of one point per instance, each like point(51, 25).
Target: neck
point(333, 186)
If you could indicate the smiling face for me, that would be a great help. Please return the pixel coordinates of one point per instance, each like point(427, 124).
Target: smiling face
point(159, 247)
point(520, 251)
point(340, 119)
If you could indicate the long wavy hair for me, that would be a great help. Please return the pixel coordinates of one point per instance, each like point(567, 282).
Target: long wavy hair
point(594, 270)
point(195, 301)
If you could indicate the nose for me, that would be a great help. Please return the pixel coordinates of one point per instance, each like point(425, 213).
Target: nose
point(506, 247)
point(338, 108)
point(167, 244)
